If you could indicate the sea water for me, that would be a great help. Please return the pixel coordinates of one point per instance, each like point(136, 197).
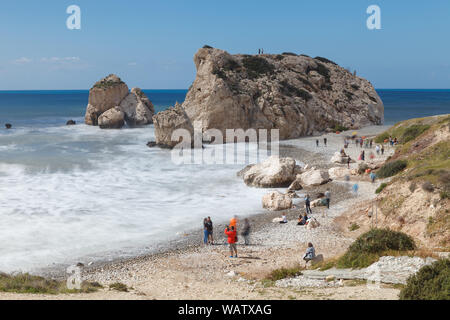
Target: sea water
point(79, 193)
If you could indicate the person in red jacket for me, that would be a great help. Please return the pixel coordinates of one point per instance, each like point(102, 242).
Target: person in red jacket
point(232, 238)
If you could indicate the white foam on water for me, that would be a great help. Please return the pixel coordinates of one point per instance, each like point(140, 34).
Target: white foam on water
point(67, 193)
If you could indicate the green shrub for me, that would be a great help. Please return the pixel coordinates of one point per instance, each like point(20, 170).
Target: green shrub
point(392, 168)
point(413, 132)
point(325, 60)
point(427, 186)
point(290, 91)
point(207, 47)
point(353, 227)
point(26, 283)
point(118, 286)
point(284, 273)
point(257, 66)
point(430, 283)
point(370, 246)
point(381, 188)
point(444, 195)
point(289, 54)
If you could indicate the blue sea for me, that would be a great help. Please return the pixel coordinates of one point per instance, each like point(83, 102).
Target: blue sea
point(79, 193)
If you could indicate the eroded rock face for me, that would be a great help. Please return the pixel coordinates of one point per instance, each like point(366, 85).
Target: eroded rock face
point(166, 122)
point(272, 173)
point(315, 177)
point(112, 119)
point(298, 95)
point(277, 201)
point(104, 95)
point(138, 108)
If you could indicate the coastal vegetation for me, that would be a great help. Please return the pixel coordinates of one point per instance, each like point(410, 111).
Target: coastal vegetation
point(392, 168)
point(372, 245)
point(283, 273)
point(257, 67)
point(430, 283)
point(26, 283)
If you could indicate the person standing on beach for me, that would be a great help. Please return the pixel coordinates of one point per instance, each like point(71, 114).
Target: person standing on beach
point(231, 234)
point(348, 162)
point(317, 142)
point(382, 150)
point(328, 198)
point(205, 231)
point(209, 227)
point(308, 204)
point(246, 232)
point(234, 222)
point(325, 140)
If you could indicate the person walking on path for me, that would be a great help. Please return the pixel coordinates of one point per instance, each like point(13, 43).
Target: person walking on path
point(373, 176)
point(328, 198)
point(232, 239)
point(308, 204)
point(209, 227)
point(246, 232)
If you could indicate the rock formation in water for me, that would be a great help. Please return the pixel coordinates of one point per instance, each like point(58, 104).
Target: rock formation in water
point(111, 95)
point(296, 94)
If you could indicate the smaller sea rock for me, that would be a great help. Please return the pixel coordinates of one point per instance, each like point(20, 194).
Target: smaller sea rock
point(112, 119)
point(8, 126)
point(71, 123)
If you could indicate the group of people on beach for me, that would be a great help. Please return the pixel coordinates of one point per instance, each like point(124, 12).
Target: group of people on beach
point(231, 231)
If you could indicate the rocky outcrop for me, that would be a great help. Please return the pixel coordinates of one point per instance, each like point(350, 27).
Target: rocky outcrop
point(112, 119)
point(340, 158)
point(112, 93)
point(298, 95)
point(274, 172)
point(339, 172)
point(166, 122)
point(276, 201)
point(314, 177)
point(138, 108)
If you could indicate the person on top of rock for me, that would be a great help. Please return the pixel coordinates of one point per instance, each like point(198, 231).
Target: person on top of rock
point(310, 253)
point(232, 239)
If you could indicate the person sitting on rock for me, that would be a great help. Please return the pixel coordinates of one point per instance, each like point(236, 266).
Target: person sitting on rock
point(310, 253)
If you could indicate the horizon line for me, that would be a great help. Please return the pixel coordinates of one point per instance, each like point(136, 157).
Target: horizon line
point(187, 89)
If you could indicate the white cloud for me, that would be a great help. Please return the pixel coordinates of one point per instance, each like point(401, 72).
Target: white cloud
point(22, 60)
point(61, 59)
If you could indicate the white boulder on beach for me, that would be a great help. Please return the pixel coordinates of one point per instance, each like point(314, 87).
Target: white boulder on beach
point(277, 201)
point(314, 177)
point(275, 172)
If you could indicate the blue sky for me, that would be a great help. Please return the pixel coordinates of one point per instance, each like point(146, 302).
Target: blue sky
point(151, 43)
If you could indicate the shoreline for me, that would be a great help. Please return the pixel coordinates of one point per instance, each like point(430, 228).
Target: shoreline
point(272, 245)
point(191, 239)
